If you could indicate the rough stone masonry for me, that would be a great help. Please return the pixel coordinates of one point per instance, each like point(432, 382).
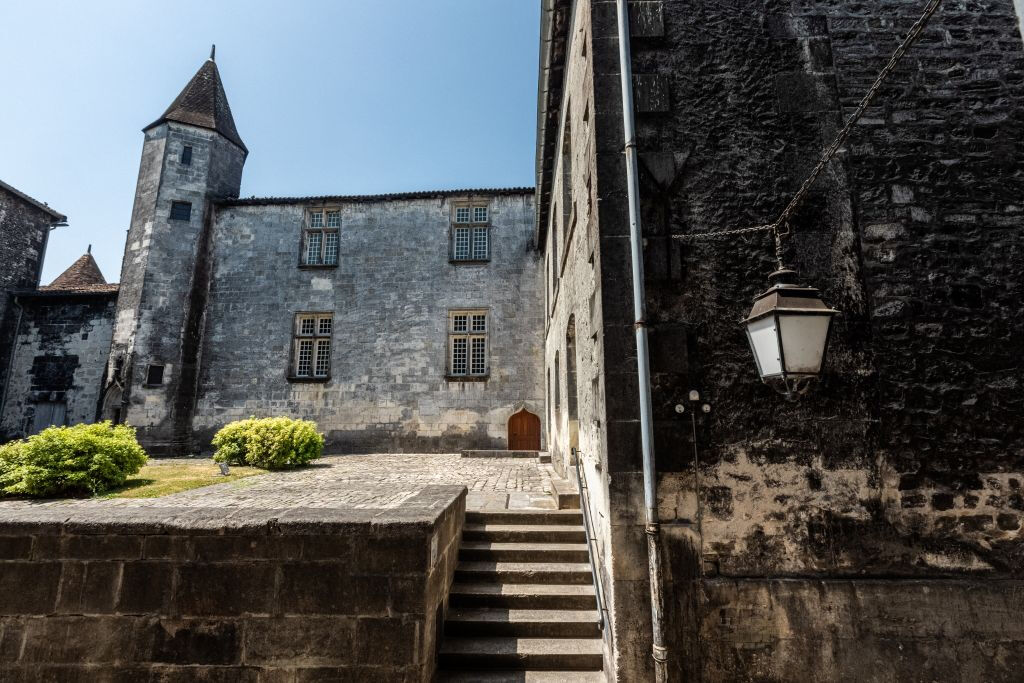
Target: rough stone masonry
point(838, 537)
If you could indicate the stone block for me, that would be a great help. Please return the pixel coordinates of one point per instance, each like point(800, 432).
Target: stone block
point(101, 547)
point(146, 588)
point(15, 547)
point(88, 587)
point(392, 640)
point(196, 642)
point(29, 587)
point(226, 589)
point(299, 641)
point(328, 588)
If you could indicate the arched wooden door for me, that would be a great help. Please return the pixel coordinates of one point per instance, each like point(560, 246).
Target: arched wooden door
point(524, 431)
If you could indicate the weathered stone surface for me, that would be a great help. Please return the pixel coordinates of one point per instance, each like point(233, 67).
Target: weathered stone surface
point(269, 597)
point(24, 230)
point(902, 462)
point(390, 296)
point(59, 355)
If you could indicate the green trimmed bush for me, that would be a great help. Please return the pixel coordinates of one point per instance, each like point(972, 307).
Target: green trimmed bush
point(81, 460)
point(271, 443)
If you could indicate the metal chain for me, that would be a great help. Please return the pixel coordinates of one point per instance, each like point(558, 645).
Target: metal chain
point(832, 149)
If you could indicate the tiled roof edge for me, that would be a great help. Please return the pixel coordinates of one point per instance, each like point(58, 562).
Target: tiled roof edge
point(34, 202)
point(428, 194)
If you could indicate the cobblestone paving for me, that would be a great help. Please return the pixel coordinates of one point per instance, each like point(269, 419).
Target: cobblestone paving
point(379, 481)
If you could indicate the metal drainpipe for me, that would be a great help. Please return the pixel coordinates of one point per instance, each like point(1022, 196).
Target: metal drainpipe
point(658, 651)
point(10, 361)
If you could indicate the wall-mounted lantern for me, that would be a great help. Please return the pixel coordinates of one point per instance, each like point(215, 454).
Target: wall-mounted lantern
point(788, 329)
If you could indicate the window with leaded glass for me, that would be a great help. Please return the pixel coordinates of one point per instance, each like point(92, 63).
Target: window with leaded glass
point(470, 234)
point(467, 344)
point(312, 345)
point(320, 238)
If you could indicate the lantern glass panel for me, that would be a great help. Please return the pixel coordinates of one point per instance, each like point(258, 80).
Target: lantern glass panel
point(803, 341)
point(764, 341)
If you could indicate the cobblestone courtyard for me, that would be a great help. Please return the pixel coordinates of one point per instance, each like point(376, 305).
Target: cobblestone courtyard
point(379, 481)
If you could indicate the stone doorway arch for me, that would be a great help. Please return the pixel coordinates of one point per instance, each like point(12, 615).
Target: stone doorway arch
point(524, 431)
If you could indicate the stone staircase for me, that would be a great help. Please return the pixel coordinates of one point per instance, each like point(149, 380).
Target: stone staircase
point(522, 606)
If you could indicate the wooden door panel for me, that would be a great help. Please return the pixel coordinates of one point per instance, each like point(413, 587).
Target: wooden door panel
point(524, 431)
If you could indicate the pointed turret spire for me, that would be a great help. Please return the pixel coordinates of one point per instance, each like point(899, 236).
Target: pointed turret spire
point(82, 275)
point(203, 103)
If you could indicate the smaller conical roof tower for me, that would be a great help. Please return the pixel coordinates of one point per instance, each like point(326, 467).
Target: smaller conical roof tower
point(204, 103)
point(83, 275)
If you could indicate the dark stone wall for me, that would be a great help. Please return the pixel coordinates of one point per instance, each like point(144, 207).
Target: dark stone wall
point(905, 463)
point(179, 595)
point(59, 355)
point(23, 234)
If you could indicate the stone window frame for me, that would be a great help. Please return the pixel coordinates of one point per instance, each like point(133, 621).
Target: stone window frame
point(468, 333)
point(317, 338)
point(477, 229)
point(324, 224)
point(180, 211)
point(186, 155)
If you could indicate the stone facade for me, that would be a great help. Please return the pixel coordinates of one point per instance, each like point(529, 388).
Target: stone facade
point(905, 462)
point(389, 296)
point(59, 357)
point(24, 229)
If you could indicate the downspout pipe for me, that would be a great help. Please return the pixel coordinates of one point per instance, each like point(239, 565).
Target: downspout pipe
point(653, 529)
point(10, 361)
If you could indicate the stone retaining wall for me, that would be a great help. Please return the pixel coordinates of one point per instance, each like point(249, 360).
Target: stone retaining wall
point(176, 594)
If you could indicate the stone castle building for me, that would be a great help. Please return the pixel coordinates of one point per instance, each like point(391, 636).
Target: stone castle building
point(397, 322)
point(868, 531)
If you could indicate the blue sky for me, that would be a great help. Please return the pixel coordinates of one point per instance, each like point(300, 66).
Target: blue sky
point(330, 98)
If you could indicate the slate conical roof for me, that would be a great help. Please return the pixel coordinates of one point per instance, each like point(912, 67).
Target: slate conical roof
point(82, 276)
point(203, 103)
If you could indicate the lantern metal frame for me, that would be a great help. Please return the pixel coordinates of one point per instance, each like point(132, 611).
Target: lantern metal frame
point(786, 299)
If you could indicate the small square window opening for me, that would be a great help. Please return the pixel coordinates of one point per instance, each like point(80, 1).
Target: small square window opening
point(154, 375)
point(181, 211)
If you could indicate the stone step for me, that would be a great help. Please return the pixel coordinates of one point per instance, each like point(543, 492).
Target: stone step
point(547, 517)
point(565, 494)
point(531, 623)
point(483, 551)
point(524, 572)
point(550, 654)
point(483, 453)
point(521, 676)
point(523, 596)
point(524, 533)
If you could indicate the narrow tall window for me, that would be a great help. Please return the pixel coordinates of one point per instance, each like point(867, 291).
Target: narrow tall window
point(467, 343)
point(186, 155)
point(470, 233)
point(554, 252)
point(181, 211)
point(558, 393)
point(312, 345)
point(320, 238)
